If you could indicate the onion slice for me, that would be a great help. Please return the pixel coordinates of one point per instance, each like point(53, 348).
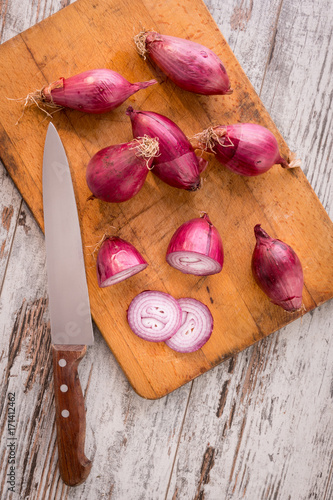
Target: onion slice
point(196, 328)
point(154, 316)
point(117, 260)
point(196, 248)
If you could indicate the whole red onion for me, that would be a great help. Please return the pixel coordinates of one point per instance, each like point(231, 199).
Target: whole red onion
point(196, 248)
point(93, 91)
point(277, 270)
point(188, 64)
point(245, 148)
point(117, 173)
point(176, 164)
point(117, 260)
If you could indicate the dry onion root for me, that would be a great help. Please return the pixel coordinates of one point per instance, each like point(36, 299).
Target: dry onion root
point(117, 173)
point(94, 91)
point(176, 164)
point(248, 149)
point(190, 65)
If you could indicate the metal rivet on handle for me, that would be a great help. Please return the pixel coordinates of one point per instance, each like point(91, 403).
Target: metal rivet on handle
point(64, 388)
point(65, 413)
point(62, 362)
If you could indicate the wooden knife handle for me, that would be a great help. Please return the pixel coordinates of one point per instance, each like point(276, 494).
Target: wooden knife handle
point(70, 414)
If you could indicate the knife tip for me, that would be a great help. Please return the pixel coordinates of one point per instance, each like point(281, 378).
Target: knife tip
point(51, 127)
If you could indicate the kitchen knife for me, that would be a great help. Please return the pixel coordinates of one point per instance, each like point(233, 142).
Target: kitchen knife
point(71, 325)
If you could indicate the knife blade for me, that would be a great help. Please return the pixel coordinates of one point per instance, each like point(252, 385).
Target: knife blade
point(70, 317)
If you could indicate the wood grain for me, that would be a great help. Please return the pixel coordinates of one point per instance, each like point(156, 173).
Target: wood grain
point(187, 443)
point(282, 201)
point(74, 466)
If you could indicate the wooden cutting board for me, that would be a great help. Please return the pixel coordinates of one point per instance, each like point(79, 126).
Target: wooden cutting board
point(88, 35)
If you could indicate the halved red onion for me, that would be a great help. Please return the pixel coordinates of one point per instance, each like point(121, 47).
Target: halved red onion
point(154, 315)
point(190, 65)
point(277, 270)
point(176, 164)
point(117, 173)
point(196, 328)
point(248, 149)
point(93, 91)
point(117, 260)
point(196, 248)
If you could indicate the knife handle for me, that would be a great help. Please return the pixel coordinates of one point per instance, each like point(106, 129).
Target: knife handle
point(74, 466)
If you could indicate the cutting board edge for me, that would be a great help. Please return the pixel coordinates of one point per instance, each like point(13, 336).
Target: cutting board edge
point(29, 206)
point(218, 361)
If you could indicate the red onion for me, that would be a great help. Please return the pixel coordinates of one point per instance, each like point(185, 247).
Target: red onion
point(278, 271)
point(245, 148)
point(196, 248)
point(117, 173)
point(94, 91)
point(177, 164)
point(188, 64)
point(117, 260)
point(196, 328)
point(154, 316)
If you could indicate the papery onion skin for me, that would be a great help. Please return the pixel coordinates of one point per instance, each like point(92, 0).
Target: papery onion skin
point(176, 164)
point(154, 316)
point(197, 237)
point(117, 260)
point(117, 173)
point(196, 328)
point(94, 91)
point(190, 65)
point(278, 271)
point(248, 149)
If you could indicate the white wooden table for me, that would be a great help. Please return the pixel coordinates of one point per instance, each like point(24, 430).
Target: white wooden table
point(259, 426)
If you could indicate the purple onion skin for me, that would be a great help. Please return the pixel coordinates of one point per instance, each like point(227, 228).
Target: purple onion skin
point(249, 149)
point(198, 235)
point(115, 256)
point(278, 271)
point(94, 91)
point(190, 65)
point(115, 174)
point(177, 164)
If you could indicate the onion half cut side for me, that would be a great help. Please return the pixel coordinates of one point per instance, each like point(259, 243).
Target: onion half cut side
point(117, 260)
point(196, 328)
point(154, 316)
point(193, 263)
point(196, 248)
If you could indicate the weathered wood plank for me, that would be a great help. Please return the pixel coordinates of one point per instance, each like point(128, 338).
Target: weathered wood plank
point(270, 410)
point(268, 421)
point(9, 208)
point(298, 88)
point(238, 18)
point(124, 432)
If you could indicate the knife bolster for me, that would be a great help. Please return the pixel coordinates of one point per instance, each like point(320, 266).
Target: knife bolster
point(74, 466)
